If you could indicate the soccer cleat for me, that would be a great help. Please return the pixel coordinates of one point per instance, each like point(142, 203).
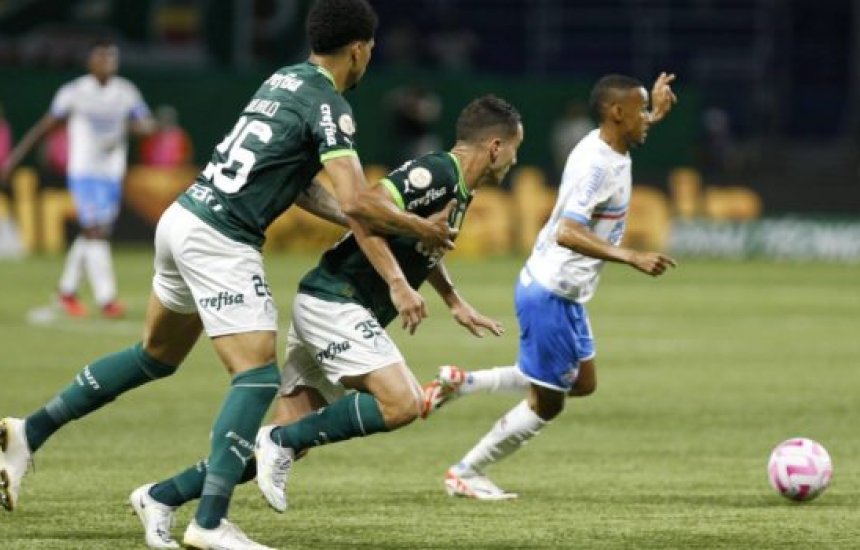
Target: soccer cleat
point(72, 306)
point(113, 310)
point(477, 486)
point(226, 536)
point(273, 468)
point(442, 389)
point(15, 459)
point(157, 518)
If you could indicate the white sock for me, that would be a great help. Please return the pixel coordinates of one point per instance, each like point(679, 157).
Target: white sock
point(100, 271)
point(496, 379)
point(74, 266)
point(508, 434)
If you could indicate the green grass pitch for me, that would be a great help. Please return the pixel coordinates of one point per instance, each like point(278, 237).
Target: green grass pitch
point(700, 374)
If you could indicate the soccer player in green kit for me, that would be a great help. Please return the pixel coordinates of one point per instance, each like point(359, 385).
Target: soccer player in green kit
point(337, 340)
point(209, 269)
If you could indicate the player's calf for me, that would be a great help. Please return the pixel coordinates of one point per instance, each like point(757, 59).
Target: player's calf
point(401, 411)
point(398, 395)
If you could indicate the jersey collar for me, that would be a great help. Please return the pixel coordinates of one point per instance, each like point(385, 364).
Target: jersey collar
point(323, 71)
point(464, 192)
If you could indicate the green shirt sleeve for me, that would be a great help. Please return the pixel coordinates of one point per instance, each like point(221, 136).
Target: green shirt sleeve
point(424, 185)
point(333, 128)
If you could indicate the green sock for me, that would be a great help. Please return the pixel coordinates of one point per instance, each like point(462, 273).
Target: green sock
point(354, 415)
point(97, 384)
point(188, 484)
point(251, 393)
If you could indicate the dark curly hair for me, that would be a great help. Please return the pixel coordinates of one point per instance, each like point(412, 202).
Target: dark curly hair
point(332, 24)
point(484, 113)
point(603, 90)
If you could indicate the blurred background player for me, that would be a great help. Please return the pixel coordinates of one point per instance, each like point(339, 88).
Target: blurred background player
point(556, 356)
point(337, 339)
point(209, 271)
point(100, 108)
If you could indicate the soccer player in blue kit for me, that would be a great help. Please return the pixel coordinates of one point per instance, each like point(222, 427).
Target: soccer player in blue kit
point(100, 109)
point(585, 229)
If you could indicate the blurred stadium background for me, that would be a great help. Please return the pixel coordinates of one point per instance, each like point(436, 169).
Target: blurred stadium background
point(759, 158)
point(702, 371)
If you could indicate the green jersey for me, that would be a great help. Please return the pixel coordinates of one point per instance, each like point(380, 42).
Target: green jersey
point(295, 122)
point(422, 186)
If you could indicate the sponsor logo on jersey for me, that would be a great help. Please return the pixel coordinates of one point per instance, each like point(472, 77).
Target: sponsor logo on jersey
point(591, 187)
point(284, 81)
point(420, 177)
point(346, 124)
point(223, 299)
point(332, 350)
point(427, 198)
point(328, 125)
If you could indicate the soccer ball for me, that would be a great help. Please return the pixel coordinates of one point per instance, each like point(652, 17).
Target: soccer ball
point(799, 469)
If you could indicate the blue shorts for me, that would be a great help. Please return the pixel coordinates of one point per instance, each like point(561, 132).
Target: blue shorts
point(555, 335)
point(97, 200)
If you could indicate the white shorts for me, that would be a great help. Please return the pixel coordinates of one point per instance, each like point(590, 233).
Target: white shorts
point(330, 340)
point(198, 269)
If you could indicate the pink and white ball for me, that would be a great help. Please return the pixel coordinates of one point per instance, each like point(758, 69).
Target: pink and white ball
point(799, 469)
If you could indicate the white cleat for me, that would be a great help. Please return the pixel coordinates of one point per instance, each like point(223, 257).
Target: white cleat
point(477, 486)
point(273, 468)
point(157, 518)
point(442, 389)
point(15, 460)
point(226, 536)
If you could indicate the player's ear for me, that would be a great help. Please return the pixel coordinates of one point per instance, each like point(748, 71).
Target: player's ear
point(495, 147)
point(355, 52)
point(615, 111)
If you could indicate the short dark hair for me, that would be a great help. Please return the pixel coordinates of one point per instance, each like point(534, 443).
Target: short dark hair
point(101, 42)
point(484, 114)
point(601, 93)
point(332, 24)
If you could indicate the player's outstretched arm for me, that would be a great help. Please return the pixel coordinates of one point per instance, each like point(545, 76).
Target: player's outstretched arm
point(30, 139)
point(463, 313)
point(662, 97)
point(143, 126)
point(381, 215)
point(408, 302)
point(317, 200)
point(578, 238)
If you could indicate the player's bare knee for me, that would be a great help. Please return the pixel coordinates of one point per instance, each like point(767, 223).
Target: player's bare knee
point(586, 380)
point(548, 411)
point(400, 412)
point(546, 403)
point(583, 388)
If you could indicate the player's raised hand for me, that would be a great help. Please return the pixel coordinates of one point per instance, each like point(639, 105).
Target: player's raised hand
point(469, 317)
point(440, 235)
point(409, 304)
point(662, 97)
point(652, 263)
